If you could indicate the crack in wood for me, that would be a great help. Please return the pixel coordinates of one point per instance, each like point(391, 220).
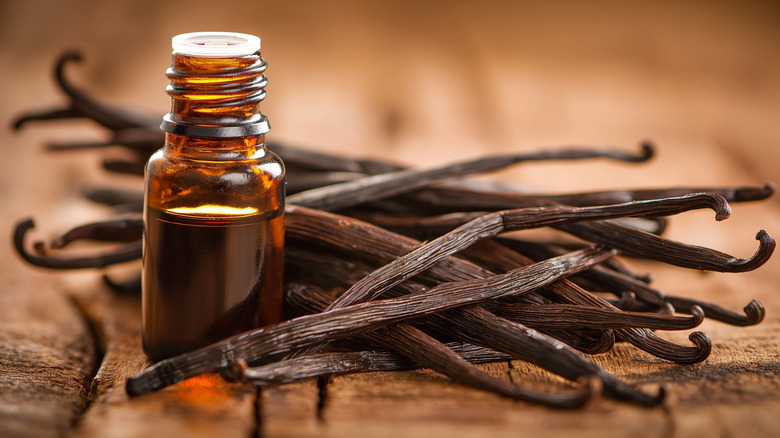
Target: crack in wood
point(322, 396)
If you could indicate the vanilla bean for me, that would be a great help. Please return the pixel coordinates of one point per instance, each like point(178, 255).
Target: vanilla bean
point(479, 326)
point(490, 225)
point(754, 311)
point(384, 185)
point(732, 194)
point(570, 316)
point(131, 200)
point(83, 106)
point(121, 254)
point(127, 229)
point(303, 180)
point(467, 196)
point(649, 245)
point(431, 353)
point(397, 197)
point(524, 343)
point(608, 279)
point(337, 363)
point(425, 350)
point(124, 167)
point(335, 324)
point(340, 272)
point(642, 338)
point(311, 160)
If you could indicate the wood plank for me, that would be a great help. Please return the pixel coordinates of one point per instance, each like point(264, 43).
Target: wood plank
point(290, 410)
point(47, 358)
point(204, 406)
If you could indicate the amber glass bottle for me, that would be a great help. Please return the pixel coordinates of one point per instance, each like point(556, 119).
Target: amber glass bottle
point(214, 201)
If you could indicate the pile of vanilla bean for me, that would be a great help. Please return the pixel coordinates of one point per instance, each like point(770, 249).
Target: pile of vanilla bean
point(390, 268)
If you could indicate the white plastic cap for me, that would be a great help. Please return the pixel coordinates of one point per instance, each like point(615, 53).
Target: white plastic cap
point(216, 44)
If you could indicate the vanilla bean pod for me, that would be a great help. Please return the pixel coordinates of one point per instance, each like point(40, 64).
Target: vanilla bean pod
point(754, 311)
point(306, 159)
point(571, 316)
point(126, 229)
point(338, 363)
point(129, 200)
point(415, 344)
point(335, 324)
point(495, 223)
point(428, 352)
point(467, 196)
point(124, 253)
point(519, 341)
point(481, 327)
point(334, 271)
point(81, 105)
point(732, 194)
point(384, 185)
point(381, 245)
point(642, 338)
point(648, 245)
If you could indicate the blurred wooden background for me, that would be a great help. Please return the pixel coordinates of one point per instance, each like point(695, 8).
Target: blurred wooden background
point(431, 82)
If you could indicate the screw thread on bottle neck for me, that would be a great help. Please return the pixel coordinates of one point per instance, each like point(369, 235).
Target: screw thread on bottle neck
point(216, 95)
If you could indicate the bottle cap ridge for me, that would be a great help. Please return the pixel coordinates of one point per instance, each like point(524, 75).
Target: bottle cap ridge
point(215, 44)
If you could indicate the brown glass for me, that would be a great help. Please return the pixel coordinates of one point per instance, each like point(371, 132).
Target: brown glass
point(214, 215)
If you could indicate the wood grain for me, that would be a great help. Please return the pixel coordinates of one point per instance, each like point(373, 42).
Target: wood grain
point(203, 406)
point(47, 359)
point(414, 82)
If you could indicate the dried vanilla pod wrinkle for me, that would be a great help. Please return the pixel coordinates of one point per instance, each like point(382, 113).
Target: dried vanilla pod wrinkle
point(327, 251)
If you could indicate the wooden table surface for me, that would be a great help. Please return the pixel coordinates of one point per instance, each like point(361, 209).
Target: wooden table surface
point(418, 84)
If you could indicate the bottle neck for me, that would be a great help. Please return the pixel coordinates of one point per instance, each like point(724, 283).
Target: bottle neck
point(216, 97)
point(228, 148)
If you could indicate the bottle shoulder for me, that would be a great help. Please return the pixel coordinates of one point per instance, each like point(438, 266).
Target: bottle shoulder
point(263, 161)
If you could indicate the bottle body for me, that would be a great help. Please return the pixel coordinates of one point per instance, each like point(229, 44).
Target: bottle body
point(213, 212)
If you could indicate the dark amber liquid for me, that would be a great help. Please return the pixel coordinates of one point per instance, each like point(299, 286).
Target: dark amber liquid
point(206, 278)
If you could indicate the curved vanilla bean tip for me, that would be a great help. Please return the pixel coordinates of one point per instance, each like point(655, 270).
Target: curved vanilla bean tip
point(743, 194)
point(648, 151)
point(754, 311)
point(84, 106)
point(123, 253)
point(698, 315)
point(720, 206)
point(59, 69)
point(647, 341)
point(765, 249)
